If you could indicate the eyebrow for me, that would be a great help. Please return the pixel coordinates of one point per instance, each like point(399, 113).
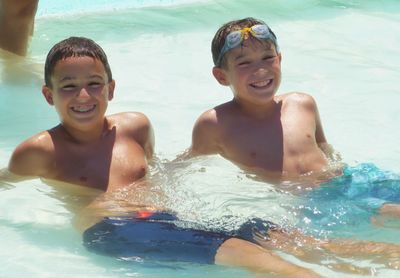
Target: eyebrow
point(69, 78)
point(239, 57)
point(265, 51)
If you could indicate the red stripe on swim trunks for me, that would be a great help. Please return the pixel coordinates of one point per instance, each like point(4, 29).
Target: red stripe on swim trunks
point(143, 214)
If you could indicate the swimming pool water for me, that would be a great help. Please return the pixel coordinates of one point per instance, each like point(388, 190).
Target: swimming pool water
point(344, 53)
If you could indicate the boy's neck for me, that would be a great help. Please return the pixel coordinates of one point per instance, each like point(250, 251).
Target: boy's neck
point(262, 111)
point(89, 135)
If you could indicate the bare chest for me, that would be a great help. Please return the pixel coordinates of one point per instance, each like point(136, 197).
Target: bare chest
point(100, 167)
point(254, 147)
point(278, 148)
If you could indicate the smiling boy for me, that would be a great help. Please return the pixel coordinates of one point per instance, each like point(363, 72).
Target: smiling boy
point(276, 137)
point(87, 148)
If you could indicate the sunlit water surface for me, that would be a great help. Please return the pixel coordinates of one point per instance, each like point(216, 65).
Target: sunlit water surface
point(344, 53)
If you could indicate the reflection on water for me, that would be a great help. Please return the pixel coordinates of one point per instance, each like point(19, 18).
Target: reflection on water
point(161, 60)
point(17, 70)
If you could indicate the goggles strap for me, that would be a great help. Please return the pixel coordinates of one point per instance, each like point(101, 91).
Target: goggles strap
point(245, 33)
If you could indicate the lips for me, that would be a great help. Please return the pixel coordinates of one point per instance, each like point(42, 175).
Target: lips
point(83, 108)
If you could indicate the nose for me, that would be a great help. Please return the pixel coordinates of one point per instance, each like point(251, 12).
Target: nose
point(261, 70)
point(83, 93)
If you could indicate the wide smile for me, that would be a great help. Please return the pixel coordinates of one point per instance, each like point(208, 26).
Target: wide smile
point(261, 84)
point(82, 109)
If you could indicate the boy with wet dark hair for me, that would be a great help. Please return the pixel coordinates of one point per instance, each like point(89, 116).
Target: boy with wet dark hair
point(74, 47)
point(87, 148)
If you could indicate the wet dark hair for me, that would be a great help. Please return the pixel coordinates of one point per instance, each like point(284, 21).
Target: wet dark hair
point(219, 38)
point(74, 47)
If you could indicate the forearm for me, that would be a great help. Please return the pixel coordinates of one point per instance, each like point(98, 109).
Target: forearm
point(391, 210)
point(350, 248)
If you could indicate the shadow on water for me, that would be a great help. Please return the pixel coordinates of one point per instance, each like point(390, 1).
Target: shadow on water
point(20, 71)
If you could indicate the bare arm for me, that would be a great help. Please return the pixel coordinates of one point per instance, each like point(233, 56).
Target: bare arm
point(205, 135)
point(327, 148)
point(390, 210)
point(139, 127)
point(16, 24)
point(147, 138)
point(319, 131)
point(32, 158)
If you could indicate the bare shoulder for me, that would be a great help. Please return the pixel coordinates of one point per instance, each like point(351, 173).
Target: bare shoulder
point(306, 108)
point(299, 99)
point(135, 126)
point(205, 134)
point(213, 118)
point(34, 156)
point(206, 126)
point(131, 121)
point(207, 119)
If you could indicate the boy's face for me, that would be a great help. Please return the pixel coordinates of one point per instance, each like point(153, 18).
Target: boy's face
point(253, 71)
point(80, 91)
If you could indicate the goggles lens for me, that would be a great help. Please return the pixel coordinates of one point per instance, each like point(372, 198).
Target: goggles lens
point(235, 38)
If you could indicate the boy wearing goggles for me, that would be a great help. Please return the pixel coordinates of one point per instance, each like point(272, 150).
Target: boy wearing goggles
point(275, 137)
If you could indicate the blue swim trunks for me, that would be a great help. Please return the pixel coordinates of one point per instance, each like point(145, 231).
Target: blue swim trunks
point(365, 184)
point(161, 236)
point(349, 200)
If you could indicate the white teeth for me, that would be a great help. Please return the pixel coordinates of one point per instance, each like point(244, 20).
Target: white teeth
point(261, 83)
point(83, 108)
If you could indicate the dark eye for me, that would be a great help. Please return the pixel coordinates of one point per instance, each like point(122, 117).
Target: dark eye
point(244, 63)
point(95, 84)
point(68, 87)
point(269, 58)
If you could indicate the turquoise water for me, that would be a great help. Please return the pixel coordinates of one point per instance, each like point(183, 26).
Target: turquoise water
point(344, 53)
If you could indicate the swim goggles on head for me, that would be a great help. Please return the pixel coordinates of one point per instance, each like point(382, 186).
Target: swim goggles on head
point(235, 38)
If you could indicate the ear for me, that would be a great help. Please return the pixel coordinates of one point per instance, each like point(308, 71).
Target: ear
point(48, 94)
point(111, 87)
point(280, 57)
point(220, 75)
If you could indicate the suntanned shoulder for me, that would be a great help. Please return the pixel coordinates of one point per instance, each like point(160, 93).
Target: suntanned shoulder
point(303, 100)
point(33, 157)
point(137, 126)
point(205, 133)
point(308, 105)
point(132, 121)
